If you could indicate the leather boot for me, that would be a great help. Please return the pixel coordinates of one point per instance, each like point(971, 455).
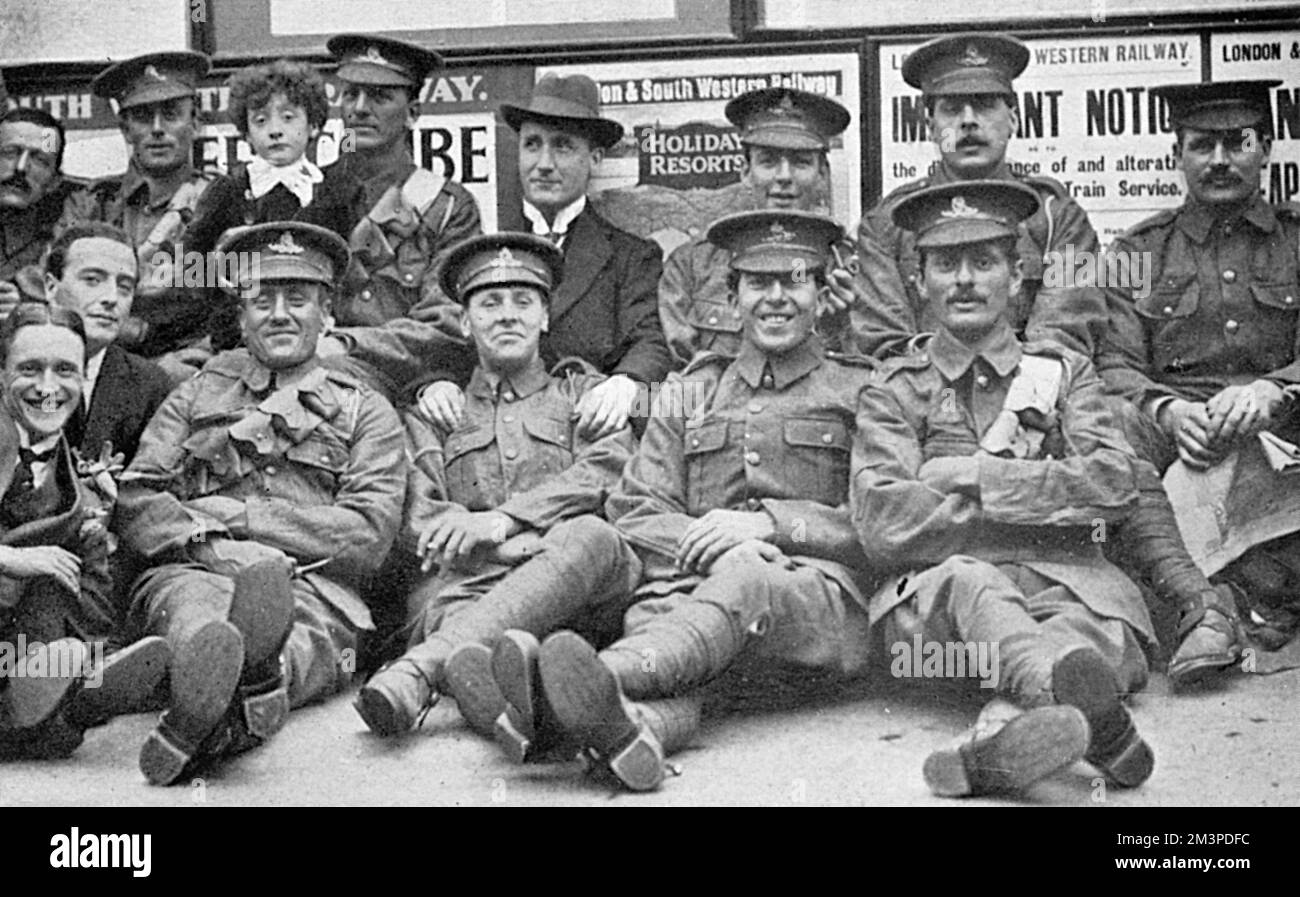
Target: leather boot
point(31, 724)
point(259, 710)
point(398, 696)
point(1208, 631)
point(1007, 750)
point(205, 672)
point(125, 683)
point(469, 681)
point(528, 730)
point(622, 736)
point(1081, 679)
point(262, 610)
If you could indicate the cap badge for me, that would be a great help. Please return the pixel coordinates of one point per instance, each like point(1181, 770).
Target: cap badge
point(151, 71)
point(373, 55)
point(786, 108)
point(779, 234)
point(286, 245)
point(505, 259)
point(961, 210)
point(973, 57)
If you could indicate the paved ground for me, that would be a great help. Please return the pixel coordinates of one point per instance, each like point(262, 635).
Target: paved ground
point(1233, 745)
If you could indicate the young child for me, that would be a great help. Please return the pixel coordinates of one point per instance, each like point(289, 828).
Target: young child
point(280, 109)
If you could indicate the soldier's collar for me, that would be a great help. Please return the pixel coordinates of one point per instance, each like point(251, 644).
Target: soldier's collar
point(953, 358)
point(786, 369)
point(944, 175)
point(376, 180)
point(1197, 219)
point(134, 181)
point(489, 384)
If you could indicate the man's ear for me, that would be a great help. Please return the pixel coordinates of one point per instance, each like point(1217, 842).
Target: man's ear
point(546, 319)
point(1017, 276)
point(464, 323)
point(1177, 151)
point(412, 113)
point(51, 287)
point(597, 155)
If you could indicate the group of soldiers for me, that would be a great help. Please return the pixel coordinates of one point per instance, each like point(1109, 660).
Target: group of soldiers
point(855, 440)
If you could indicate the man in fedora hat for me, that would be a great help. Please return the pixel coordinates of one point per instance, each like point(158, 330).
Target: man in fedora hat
point(266, 490)
point(786, 134)
point(983, 466)
point(966, 83)
point(513, 481)
point(158, 112)
point(605, 307)
point(1208, 369)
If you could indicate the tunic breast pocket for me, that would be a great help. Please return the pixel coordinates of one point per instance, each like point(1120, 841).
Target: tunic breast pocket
point(321, 460)
point(466, 463)
point(1169, 317)
point(709, 465)
point(1276, 305)
point(816, 462)
point(718, 325)
point(552, 444)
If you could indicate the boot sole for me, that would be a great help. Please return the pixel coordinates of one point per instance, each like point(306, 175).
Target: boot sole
point(262, 609)
point(1026, 750)
point(585, 695)
point(469, 680)
point(1082, 679)
point(129, 678)
point(514, 667)
point(380, 713)
point(33, 700)
point(204, 675)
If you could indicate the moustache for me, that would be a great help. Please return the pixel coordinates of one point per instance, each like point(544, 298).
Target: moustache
point(966, 142)
point(17, 181)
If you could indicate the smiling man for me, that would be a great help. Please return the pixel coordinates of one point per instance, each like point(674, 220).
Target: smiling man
point(91, 269)
point(1206, 363)
point(514, 480)
point(739, 514)
point(604, 310)
point(786, 134)
point(33, 191)
point(983, 468)
point(971, 110)
point(152, 201)
point(266, 491)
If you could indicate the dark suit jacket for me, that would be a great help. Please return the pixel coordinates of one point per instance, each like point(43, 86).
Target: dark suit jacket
point(127, 393)
point(606, 309)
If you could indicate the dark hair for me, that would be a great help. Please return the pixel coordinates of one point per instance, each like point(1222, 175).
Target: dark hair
point(251, 88)
point(57, 255)
point(45, 120)
point(38, 314)
point(1006, 244)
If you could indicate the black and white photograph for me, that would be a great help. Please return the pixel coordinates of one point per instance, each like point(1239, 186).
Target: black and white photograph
point(675, 403)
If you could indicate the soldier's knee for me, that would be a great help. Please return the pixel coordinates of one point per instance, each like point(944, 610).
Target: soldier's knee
point(587, 530)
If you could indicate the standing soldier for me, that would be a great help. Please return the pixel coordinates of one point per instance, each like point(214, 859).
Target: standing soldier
point(984, 470)
point(506, 484)
point(154, 199)
point(266, 490)
point(1206, 362)
point(786, 134)
point(971, 109)
point(739, 513)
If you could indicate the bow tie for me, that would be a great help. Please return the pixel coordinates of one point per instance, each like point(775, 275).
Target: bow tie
point(298, 178)
point(29, 457)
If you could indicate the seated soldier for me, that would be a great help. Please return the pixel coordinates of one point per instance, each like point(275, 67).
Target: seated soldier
point(986, 470)
point(266, 490)
point(56, 612)
point(504, 485)
point(739, 513)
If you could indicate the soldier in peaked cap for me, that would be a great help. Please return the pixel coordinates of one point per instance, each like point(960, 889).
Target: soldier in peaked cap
point(738, 512)
point(786, 134)
point(981, 469)
point(971, 110)
point(265, 492)
point(413, 218)
point(604, 308)
point(153, 200)
point(1206, 363)
point(515, 478)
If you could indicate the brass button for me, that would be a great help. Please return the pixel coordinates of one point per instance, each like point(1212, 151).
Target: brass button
point(755, 407)
point(1229, 276)
point(827, 437)
point(767, 381)
point(982, 381)
point(1168, 309)
point(270, 471)
point(325, 458)
point(1231, 326)
point(695, 442)
point(511, 454)
point(753, 504)
point(365, 294)
point(1288, 300)
point(409, 277)
point(713, 319)
point(509, 418)
point(508, 396)
point(752, 458)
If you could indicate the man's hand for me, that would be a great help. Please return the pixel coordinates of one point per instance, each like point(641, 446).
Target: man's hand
point(9, 297)
point(456, 535)
point(1188, 424)
point(443, 402)
point(329, 346)
point(747, 554)
point(841, 291)
point(953, 474)
point(1239, 411)
point(606, 408)
point(707, 538)
point(42, 560)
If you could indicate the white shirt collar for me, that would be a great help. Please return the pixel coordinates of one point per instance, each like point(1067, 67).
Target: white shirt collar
point(93, 366)
point(299, 178)
point(563, 219)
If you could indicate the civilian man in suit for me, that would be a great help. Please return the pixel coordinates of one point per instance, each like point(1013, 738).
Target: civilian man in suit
point(91, 269)
point(605, 309)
